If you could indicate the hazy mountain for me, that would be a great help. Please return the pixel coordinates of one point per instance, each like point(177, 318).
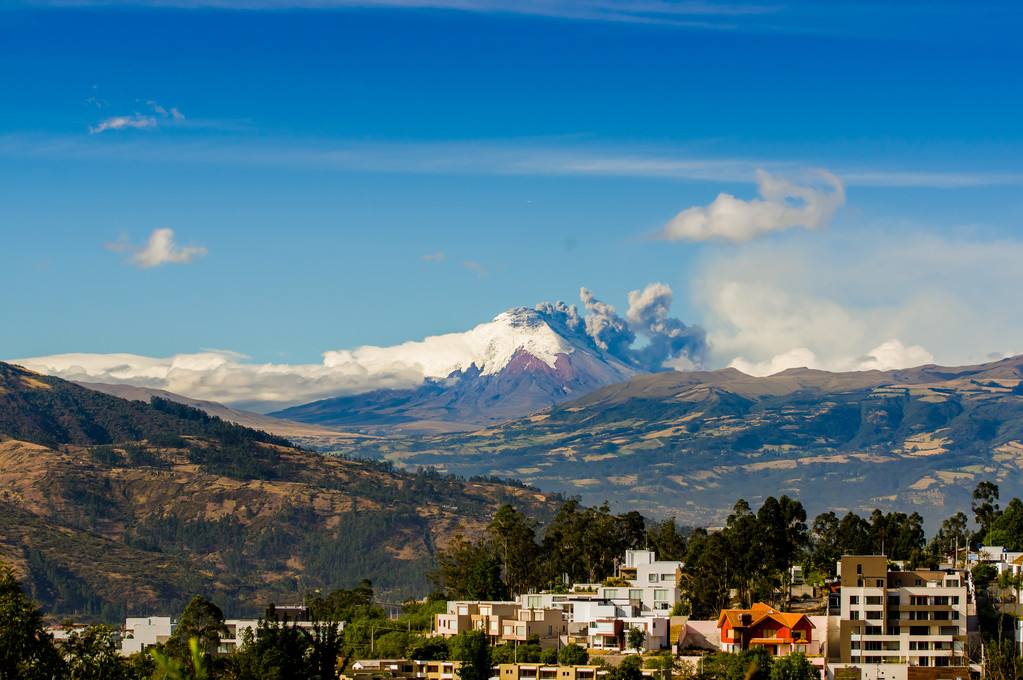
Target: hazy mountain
point(692, 443)
point(301, 433)
point(114, 506)
point(523, 361)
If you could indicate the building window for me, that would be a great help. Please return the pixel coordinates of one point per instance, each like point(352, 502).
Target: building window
point(660, 595)
point(859, 568)
point(534, 601)
point(635, 594)
point(873, 599)
point(854, 599)
point(854, 615)
point(611, 594)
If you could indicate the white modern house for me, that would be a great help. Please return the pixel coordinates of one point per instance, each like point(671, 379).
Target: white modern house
point(144, 632)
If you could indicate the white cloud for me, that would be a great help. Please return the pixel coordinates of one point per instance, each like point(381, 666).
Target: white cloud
point(134, 121)
point(872, 300)
point(137, 121)
point(160, 249)
point(783, 205)
point(227, 377)
point(885, 357)
point(437, 256)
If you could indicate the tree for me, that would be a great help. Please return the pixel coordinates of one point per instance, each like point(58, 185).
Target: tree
point(954, 531)
point(277, 651)
point(472, 651)
point(26, 649)
point(429, 649)
point(573, 655)
point(344, 604)
point(825, 548)
point(94, 654)
point(514, 541)
point(667, 540)
point(707, 574)
point(636, 638)
point(470, 571)
point(203, 621)
point(795, 666)
point(985, 507)
point(1006, 529)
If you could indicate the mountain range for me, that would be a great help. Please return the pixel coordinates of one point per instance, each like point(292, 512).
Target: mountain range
point(691, 443)
point(110, 507)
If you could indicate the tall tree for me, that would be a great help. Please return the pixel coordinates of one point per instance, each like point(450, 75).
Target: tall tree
point(203, 621)
point(94, 654)
point(514, 541)
point(26, 649)
point(985, 507)
point(667, 540)
point(468, 570)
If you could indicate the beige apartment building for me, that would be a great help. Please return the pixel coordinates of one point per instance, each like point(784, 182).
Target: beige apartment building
point(916, 618)
point(401, 669)
point(505, 621)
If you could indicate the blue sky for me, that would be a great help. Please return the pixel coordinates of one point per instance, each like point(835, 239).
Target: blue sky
point(318, 151)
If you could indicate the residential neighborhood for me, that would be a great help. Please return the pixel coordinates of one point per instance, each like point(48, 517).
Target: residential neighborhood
point(889, 624)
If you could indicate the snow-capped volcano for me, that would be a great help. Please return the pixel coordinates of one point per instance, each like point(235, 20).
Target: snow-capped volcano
point(490, 347)
point(522, 361)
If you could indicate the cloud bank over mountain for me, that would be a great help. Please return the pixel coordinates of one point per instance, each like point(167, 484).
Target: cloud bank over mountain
point(863, 301)
point(550, 329)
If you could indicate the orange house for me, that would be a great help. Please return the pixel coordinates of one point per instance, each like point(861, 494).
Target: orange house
point(763, 626)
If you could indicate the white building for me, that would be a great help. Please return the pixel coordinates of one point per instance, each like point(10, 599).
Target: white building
point(144, 632)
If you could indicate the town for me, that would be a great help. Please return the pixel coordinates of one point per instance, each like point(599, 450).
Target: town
point(949, 615)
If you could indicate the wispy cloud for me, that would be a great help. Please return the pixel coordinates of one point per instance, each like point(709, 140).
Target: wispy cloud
point(135, 122)
point(699, 14)
point(433, 257)
point(520, 157)
point(171, 113)
point(160, 249)
point(475, 267)
point(782, 205)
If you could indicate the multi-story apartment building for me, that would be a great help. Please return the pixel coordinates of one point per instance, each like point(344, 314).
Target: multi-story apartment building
point(916, 618)
point(506, 621)
point(649, 583)
point(462, 616)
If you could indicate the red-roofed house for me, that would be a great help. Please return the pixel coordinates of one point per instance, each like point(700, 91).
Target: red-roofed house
point(763, 626)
